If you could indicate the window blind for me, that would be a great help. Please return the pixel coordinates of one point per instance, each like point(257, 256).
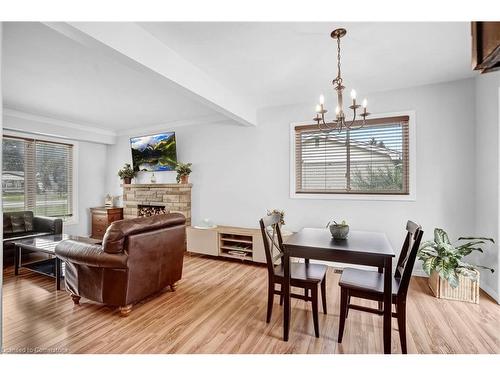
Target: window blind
point(37, 176)
point(371, 160)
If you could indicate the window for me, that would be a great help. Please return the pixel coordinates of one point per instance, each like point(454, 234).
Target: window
point(371, 160)
point(37, 176)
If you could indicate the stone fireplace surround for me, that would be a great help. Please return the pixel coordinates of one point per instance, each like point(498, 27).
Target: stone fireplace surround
point(172, 197)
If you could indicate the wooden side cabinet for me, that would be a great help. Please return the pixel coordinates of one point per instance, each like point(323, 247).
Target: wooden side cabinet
point(102, 217)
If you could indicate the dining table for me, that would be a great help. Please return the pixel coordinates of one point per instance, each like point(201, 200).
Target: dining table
point(359, 248)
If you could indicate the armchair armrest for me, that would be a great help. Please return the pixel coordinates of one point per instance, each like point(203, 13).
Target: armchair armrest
point(47, 224)
point(89, 255)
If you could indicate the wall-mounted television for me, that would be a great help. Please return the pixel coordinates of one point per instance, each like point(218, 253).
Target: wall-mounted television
point(156, 152)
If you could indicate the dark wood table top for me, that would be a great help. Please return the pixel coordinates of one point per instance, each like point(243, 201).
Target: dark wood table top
point(375, 243)
point(48, 243)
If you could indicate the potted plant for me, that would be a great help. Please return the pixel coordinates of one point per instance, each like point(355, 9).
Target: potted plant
point(127, 173)
point(338, 231)
point(275, 211)
point(449, 276)
point(183, 171)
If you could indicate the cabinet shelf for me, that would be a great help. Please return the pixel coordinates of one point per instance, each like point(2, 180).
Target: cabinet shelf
point(242, 257)
point(236, 248)
point(230, 239)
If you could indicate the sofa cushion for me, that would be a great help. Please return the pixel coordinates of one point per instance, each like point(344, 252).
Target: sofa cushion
point(7, 224)
point(17, 222)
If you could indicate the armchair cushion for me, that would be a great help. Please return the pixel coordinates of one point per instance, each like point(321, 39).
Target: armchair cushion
point(89, 255)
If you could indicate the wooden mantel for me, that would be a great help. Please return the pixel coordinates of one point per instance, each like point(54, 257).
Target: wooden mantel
point(174, 197)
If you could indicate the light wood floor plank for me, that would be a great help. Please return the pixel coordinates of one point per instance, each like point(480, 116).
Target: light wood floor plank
point(220, 307)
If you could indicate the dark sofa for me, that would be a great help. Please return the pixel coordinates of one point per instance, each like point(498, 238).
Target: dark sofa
point(23, 224)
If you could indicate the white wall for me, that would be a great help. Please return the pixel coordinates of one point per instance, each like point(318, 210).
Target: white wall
point(487, 175)
point(240, 172)
point(91, 184)
point(91, 168)
point(1, 219)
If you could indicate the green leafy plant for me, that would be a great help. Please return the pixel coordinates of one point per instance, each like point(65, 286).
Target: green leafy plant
point(445, 257)
point(183, 169)
point(279, 212)
point(343, 223)
point(126, 172)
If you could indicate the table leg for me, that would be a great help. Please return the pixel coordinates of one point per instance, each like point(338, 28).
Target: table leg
point(387, 304)
point(17, 259)
point(58, 273)
point(286, 293)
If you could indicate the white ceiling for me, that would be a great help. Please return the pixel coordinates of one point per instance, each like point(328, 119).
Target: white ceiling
point(281, 63)
point(49, 74)
point(46, 73)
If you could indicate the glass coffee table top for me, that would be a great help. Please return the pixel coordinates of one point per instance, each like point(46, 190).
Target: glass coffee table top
point(48, 243)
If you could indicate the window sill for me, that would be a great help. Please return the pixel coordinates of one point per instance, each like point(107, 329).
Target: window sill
point(354, 197)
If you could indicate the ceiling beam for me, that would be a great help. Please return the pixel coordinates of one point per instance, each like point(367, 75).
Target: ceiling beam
point(136, 47)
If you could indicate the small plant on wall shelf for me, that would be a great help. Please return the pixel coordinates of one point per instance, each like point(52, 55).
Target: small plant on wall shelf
point(127, 173)
point(183, 171)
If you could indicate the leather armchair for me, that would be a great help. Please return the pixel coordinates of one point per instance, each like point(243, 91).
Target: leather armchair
point(138, 257)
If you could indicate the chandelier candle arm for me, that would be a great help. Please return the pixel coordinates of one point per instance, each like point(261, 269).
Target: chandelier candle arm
point(340, 117)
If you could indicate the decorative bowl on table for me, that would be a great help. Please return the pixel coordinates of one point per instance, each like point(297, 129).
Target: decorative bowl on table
point(338, 231)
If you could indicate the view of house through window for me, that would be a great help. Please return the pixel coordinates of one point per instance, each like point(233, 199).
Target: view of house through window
point(37, 176)
point(373, 159)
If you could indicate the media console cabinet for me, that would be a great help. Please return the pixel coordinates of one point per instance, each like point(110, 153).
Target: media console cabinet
point(227, 242)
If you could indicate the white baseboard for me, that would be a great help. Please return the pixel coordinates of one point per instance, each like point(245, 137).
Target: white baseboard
point(491, 293)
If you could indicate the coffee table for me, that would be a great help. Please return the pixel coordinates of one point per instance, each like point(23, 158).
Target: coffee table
point(53, 266)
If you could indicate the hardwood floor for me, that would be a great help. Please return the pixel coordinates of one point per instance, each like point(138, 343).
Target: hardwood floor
point(220, 307)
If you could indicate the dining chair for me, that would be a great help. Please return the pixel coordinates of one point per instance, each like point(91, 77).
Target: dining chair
point(302, 275)
point(369, 285)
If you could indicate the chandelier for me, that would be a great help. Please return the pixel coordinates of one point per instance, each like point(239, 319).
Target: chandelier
point(340, 121)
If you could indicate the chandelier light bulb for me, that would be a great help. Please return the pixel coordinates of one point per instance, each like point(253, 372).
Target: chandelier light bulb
point(337, 110)
point(318, 108)
point(365, 103)
point(353, 94)
point(321, 99)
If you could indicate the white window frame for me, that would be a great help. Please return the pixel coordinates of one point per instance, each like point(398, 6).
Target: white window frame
point(412, 196)
point(74, 217)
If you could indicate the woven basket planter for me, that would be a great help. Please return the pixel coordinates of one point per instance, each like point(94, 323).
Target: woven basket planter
point(467, 290)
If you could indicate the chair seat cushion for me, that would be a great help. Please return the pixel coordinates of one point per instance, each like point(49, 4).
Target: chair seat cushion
point(303, 272)
point(370, 281)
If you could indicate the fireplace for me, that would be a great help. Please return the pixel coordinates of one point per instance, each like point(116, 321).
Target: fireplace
point(154, 199)
point(150, 210)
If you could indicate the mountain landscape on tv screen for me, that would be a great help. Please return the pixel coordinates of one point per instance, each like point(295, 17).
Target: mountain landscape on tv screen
point(154, 152)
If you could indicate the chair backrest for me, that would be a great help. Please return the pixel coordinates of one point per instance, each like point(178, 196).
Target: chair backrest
point(273, 242)
point(408, 255)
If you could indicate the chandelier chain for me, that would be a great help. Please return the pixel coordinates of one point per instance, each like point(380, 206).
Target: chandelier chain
point(339, 78)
